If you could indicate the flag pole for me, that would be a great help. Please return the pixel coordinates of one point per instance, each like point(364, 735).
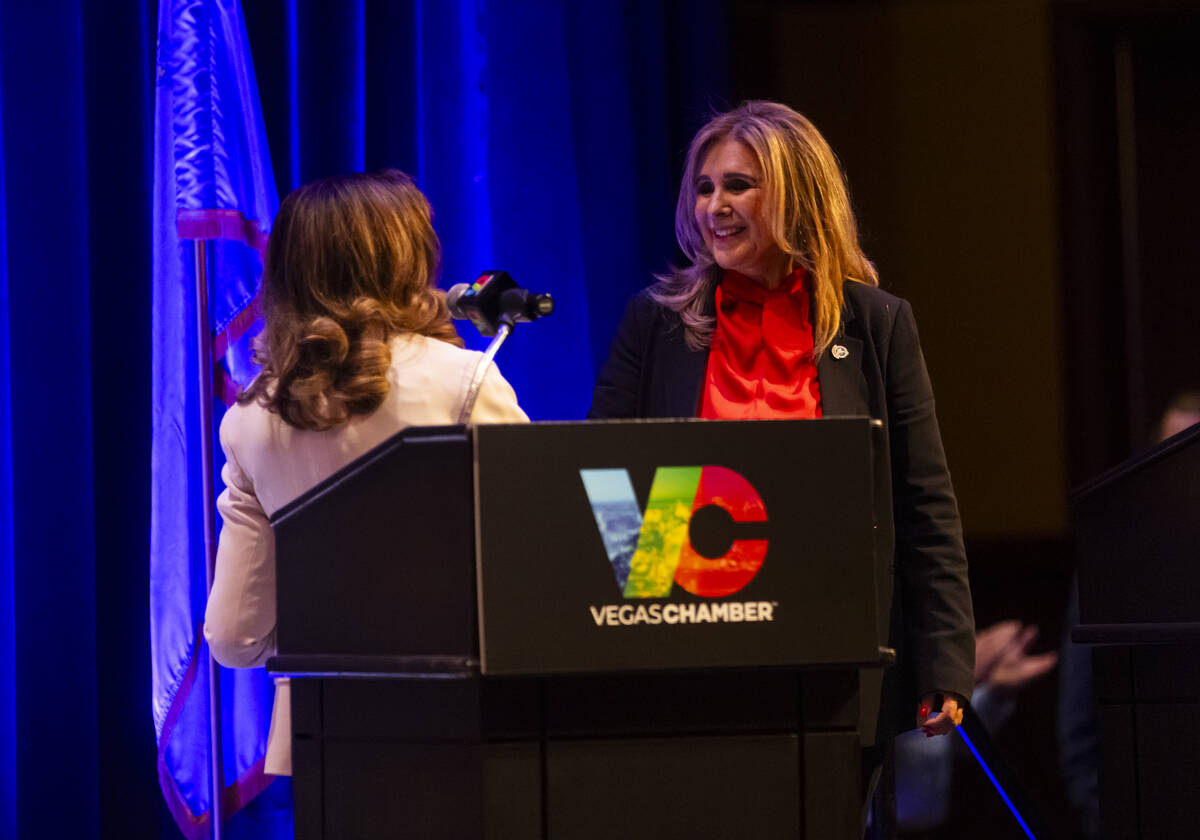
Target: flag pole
point(208, 489)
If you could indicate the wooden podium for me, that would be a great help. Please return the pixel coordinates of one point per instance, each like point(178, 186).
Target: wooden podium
point(576, 630)
point(1138, 549)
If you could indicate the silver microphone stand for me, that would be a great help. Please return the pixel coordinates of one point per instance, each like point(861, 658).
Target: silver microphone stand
point(481, 368)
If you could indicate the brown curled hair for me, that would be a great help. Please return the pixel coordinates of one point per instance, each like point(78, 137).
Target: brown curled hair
point(351, 262)
point(809, 209)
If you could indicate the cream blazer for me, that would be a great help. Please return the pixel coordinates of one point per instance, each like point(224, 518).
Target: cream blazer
point(268, 463)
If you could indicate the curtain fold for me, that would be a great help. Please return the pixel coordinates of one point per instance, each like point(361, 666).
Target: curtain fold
point(8, 711)
point(547, 134)
point(53, 663)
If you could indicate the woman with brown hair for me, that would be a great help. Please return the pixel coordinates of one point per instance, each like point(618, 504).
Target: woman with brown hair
point(358, 345)
point(779, 315)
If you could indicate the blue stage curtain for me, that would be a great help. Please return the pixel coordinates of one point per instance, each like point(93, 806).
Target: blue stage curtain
point(55, 750)
point(8, 711)
point(547, 134)
point(76, 745)
point(549, 137)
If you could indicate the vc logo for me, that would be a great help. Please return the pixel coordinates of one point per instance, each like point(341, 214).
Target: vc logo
point(651, 552)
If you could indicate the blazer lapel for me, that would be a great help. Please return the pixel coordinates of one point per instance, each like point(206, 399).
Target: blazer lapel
point(687, 367)
point(685, 397)
point(840, 374)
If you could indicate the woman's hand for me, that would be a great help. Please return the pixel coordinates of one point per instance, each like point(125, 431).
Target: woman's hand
point(935, 721)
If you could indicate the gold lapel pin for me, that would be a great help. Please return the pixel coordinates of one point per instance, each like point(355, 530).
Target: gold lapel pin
point(840, 352)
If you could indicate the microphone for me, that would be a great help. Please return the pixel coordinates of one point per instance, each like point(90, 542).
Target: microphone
point(495, 299)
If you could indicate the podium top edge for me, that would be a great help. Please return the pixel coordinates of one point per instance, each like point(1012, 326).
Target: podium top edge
point(650, 421)
point(417, 435)
point(1137, 463)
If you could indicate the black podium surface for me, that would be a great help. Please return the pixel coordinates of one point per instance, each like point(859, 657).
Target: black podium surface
point(616, 629)
point(1138, 550)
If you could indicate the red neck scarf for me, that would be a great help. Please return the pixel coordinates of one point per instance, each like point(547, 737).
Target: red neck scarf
point(760, 362)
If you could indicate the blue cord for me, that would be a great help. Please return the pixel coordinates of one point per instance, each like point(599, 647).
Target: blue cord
point(988, 770)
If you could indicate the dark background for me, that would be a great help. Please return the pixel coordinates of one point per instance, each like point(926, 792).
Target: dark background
point(1024, 175)
point(1023, 171)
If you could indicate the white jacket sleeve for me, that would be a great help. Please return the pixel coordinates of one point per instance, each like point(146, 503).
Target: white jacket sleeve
point(239, 622)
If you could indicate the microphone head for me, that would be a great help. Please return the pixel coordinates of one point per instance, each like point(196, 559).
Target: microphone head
point(523, 305)
point(493, 299)
point(452, 298)
point(479, 302)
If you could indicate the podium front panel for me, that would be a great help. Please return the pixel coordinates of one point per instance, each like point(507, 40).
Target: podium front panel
point(664, 545)
point(378, 559)
point(1137, 537)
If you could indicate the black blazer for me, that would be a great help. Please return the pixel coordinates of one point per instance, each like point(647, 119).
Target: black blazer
point(650, 372)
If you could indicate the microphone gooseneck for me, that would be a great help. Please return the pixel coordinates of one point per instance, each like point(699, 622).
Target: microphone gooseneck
point(495, 305)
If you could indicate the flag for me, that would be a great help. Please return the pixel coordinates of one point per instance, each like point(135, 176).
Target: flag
point(212, 182)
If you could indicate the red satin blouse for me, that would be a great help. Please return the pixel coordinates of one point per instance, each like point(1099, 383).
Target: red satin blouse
point(760, 361)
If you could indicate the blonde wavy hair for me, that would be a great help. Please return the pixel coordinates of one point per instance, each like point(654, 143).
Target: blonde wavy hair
point(351, 262)
point(808, 206)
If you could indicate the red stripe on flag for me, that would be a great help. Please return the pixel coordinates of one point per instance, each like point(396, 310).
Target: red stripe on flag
point(226, 224)
point(224, 388)
point(249, 785)
point(237, 328)
point(193, 827)
point(234, 797)
point(221, 224)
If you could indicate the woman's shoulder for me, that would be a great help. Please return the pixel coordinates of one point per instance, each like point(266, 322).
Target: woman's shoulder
point(242, 415)
point(248, 426)
point(430, 378)
point(425, 365)
point(872, 310)
point(864, 299)
point(646, 308)
point(874, 315)
point(643, 302)
point(418, 362)
point(648, 319)
point(432, 353)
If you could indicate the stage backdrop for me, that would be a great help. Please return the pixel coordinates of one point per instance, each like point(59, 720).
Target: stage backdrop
point(76, 742)
point(548, 136)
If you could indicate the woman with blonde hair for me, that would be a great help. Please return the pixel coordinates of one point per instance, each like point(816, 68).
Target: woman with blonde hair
point(358, 345)
point(779, 315)
point(803, 212)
